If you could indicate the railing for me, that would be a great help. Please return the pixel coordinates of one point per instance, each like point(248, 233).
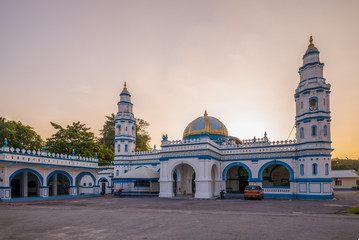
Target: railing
point(276, 189)
point(48, 158)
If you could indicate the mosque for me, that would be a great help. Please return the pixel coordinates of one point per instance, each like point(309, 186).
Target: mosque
point(206, 161)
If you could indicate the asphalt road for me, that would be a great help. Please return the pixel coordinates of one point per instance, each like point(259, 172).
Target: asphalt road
point(154, 218)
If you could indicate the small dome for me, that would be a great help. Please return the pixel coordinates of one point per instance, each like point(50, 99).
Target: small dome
point(311, 47)
point(206, 126)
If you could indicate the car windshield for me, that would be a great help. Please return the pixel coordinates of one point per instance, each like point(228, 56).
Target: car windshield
point(251, 188)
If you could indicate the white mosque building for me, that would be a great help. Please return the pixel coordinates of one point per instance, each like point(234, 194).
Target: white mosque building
point(206, 161)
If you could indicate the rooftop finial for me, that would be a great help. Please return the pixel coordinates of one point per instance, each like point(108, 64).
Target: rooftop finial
point(5, 142)
point(311, 39)
point(205, 113)
point(124, 87)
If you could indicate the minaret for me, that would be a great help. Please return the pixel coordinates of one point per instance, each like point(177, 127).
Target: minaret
point(312, 101)
point(313, 158)
point(125, 126)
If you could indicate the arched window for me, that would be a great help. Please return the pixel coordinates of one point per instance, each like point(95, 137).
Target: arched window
point(315, 169)
point(119, 148)
point(119, 129)
point(126, 148)
point(324, 101)
point(133, 131)
point(325, 131)
point(327, 169)
point(125, 171)
point(314, 131)
point(117, 172)
point(301, 169)
point(301, 132)
point(313, 104)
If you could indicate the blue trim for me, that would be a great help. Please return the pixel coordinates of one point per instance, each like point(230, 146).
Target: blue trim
point(237, 164)
point(309, 89)
point(62, 172)
point(278, 195)
point(316, 104)
point(336, 189)
point(310, 113)
point(314, 169)
point(310, 118)
point(314, 197)
point(311, 53)
point(98, 182)
point(49, 165)
point(313, 180)
point(27, 170)
point(260, 172)
point(40, 156)
point(314, 130)
point(285, 187)
point(301, 169)
point(310, 65)
point(85, 173)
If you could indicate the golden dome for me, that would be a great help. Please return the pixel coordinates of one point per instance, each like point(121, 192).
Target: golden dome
point(206, 125)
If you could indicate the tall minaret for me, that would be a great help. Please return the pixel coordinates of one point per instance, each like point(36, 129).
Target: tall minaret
point(313, 157)
point(312, 101)
point(125, 126)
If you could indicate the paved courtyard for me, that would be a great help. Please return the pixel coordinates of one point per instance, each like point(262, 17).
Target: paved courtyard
point(154, 218)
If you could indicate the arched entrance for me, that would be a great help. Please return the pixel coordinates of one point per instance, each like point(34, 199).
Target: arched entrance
point(85, 182)
point(59, 184)
point(103, 185)
point(275, 175)
point(184, 183)
point(25, 183)
point(236, 179)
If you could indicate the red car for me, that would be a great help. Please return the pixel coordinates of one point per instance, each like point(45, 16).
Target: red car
point(253, 191)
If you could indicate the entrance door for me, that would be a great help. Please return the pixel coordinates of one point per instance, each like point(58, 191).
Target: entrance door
point(103, 187)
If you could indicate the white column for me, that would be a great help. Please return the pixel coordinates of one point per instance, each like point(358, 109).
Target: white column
point(25, 184)
point(54, 185)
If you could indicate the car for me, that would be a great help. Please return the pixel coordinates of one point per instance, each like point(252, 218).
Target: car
point(253, 191)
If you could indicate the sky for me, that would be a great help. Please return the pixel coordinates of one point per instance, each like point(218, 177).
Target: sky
point(67, 61)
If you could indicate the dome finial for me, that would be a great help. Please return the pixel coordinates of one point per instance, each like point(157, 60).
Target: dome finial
point(311, 39)
point(205, 113)
point(124, 86)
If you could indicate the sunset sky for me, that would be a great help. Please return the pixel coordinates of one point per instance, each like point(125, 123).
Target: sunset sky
point(66, 61)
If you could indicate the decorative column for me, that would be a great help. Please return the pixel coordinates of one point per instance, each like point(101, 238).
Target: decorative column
point(25, 184)
point(54, 185)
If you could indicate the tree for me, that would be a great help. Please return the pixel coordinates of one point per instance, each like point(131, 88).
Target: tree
point(78, 138)
point(19, 135)
point(142, 136)
point(108, 132)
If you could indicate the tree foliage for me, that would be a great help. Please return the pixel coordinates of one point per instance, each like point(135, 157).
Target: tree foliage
point(108, 132)
point(345, 164)
point(19, 135)
point(78, 138)
point(142, 136)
